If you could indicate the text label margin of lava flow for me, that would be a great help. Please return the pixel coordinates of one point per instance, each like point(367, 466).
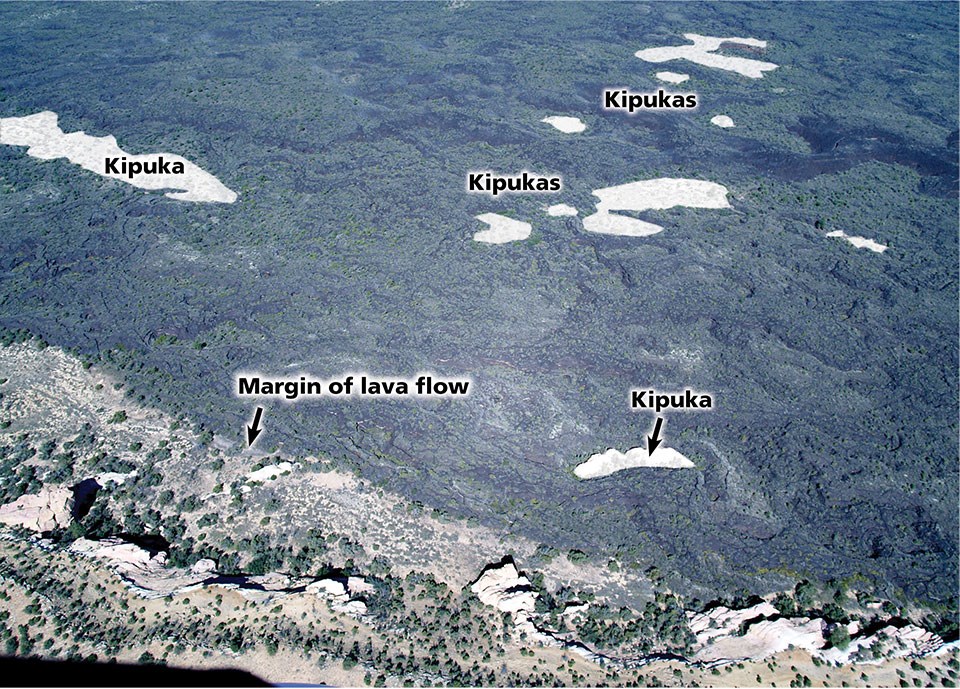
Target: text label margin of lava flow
point(349, 386)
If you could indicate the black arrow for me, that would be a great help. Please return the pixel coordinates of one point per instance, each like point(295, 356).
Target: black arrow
point(653, 440)
point(252, 430)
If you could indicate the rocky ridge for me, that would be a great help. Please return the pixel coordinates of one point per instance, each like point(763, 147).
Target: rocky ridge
point(723, 635)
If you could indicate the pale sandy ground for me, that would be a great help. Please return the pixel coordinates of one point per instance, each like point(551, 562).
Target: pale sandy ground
point(567, 125)
point(860, 242)
point(621, 225)
point(502, 229)
point(50, 390)
point(611, 461)
point(672, 77)
point(722, 121)
point(47, 141)
point(651, 194)
point(270, 472)
point(702, 52)
point(561, 209)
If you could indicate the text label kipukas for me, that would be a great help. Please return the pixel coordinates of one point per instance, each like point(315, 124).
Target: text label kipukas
point(622, 99)
point(526, 182)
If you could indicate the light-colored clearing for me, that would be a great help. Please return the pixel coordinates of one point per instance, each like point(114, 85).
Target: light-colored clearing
point(672, 77)
point(567, 125)
point(702, 53)
point(47, 141)
point(612, 460)
point(651, 194)
point(860, 242)
point(561, 209)
point(502, 229)
point(610, 223)
point(270, 472)
point(722, 121)
point(113, 477)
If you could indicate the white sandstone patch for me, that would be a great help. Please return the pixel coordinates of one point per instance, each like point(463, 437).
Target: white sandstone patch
point(702, 52)
point(890, 642)
point(204, 566)
point(44, 511)
point(357, 585)
point(860, 242)
point(652, 194)
point(561, 209)
point(611, 223)
point(327, 587)
point(567, 125)
point(47, 141)
point(128, 557)
point(502, 229)
point(338, 593)
point(766, 638)
point(612, 461)
point(672, 77)
point(727, 636)
point(504, 589)
point(270, 472)
point(114, 477)
point(722, 121)
point(722, 621)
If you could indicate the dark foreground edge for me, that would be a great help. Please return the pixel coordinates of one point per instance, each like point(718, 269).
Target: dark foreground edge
point(31, 672)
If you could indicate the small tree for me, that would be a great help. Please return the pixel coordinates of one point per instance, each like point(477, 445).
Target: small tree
point(840, 637)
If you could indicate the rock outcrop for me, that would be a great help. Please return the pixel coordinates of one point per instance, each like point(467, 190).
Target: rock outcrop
point(889, 642)
point(146, 573)
point(127, 557)
point(44, 511)
point(763, 639)
point(721, 621)
point(723, 635)
point(502, 587)
point(339, 594)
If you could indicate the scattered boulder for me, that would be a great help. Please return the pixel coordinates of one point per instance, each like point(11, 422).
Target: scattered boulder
point(204, 566)
point(271, 581)
point(357, 608)
point(357, 585)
